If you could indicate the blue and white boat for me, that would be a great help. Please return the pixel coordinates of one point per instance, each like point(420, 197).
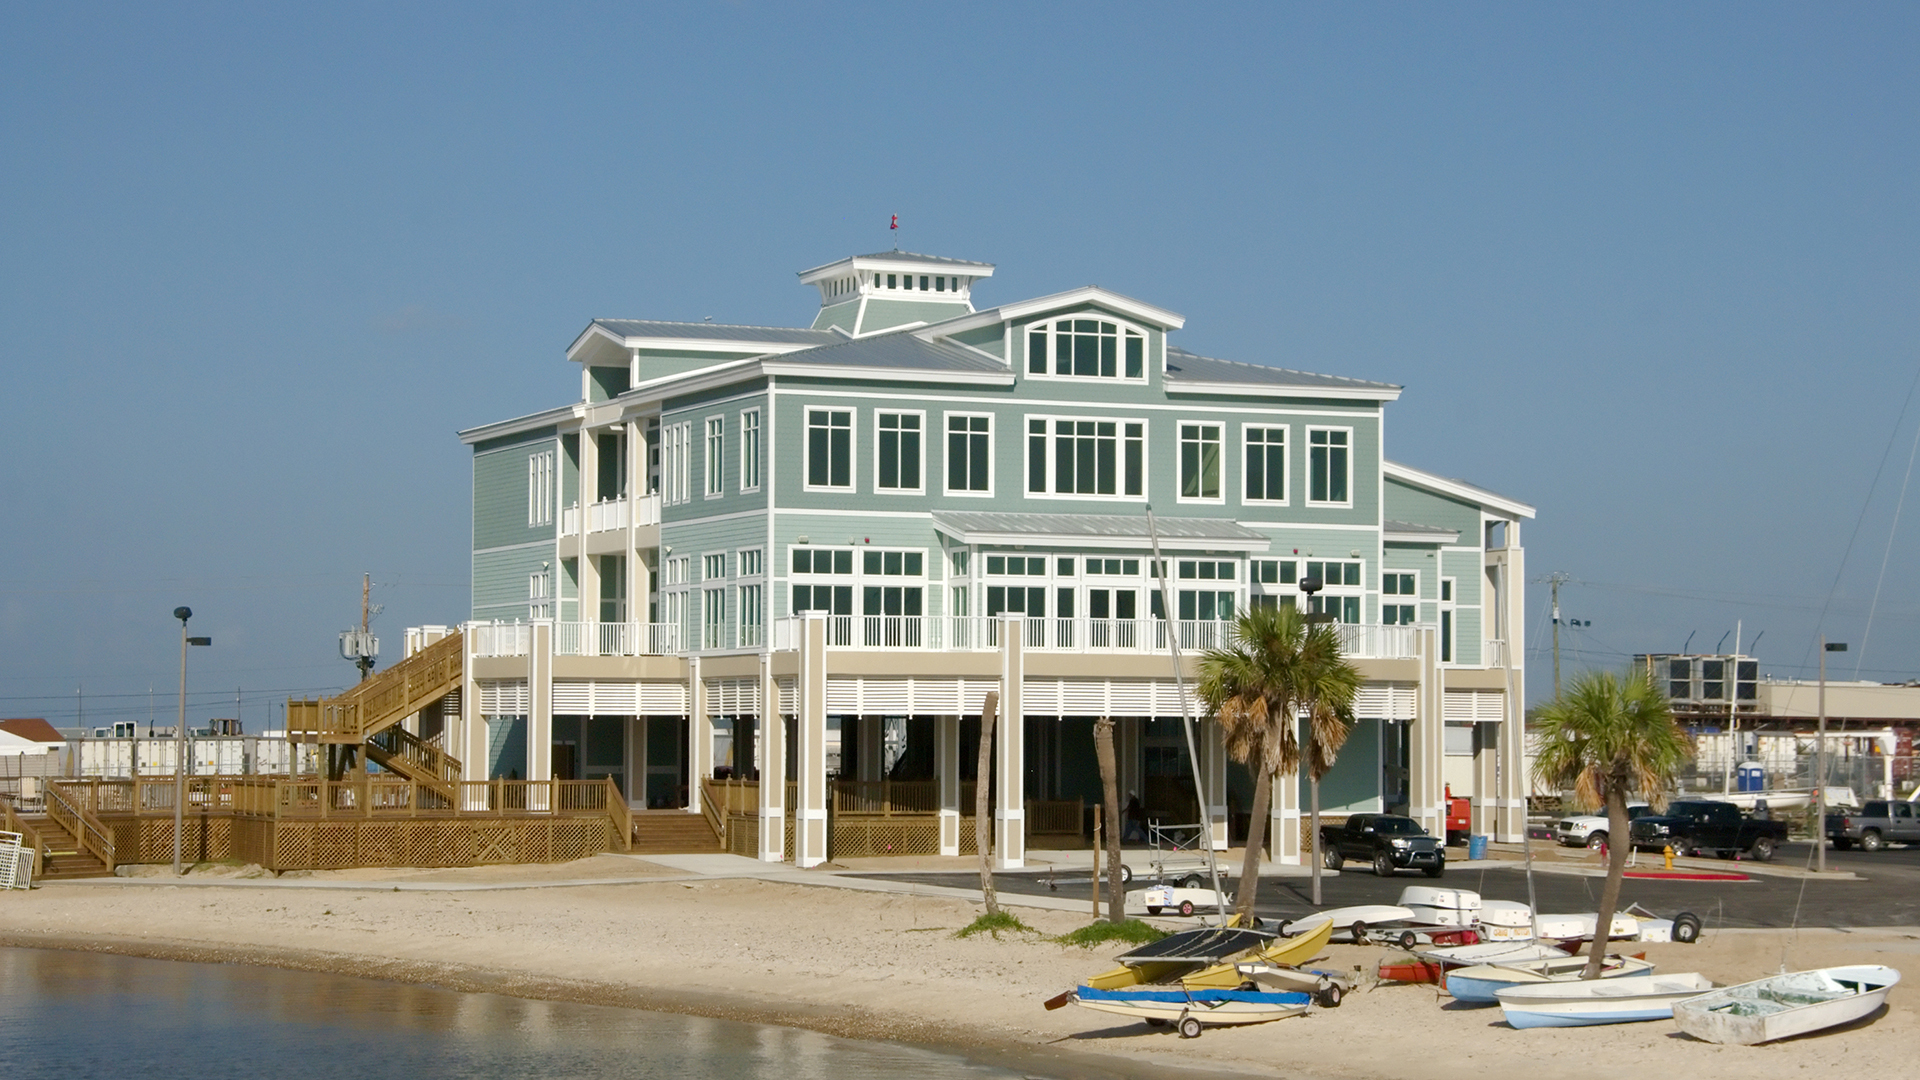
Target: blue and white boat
point(1598, 1001)
point(1191, 1010)
point(1481, 982)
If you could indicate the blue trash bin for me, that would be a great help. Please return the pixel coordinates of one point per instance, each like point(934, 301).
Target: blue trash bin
point(1477, 847)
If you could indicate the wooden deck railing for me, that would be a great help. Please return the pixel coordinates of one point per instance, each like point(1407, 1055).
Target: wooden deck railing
point(29, 836)
point(407, 754)
point(713, 807)
point(1055, 817)
point(72, 815)
point(384, 700)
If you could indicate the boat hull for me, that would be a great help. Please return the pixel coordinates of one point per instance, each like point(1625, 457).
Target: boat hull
point(1625, 1000)
point(1212, 1008)
point(1481, 984)
point(1281, 952)
point(1786, 1005)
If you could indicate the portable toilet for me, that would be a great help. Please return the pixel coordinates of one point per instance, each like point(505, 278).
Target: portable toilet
point(1753, 776)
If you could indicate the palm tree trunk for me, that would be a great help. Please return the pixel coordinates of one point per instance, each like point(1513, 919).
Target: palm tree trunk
point(1110, 783)
point(981, 782)
point(1618, 847)
point(1256, 835)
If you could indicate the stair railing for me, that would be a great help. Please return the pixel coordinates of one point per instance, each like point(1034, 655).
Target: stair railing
point(87, 830)
point(29, 836)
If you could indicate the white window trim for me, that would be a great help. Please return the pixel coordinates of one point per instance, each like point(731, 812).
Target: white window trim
point(1146, 457)
point(1307, 495)
point(1413, 600)
point(1286, 451)
point(540, 489)
point(714, 478)
point(751, 455)
point(853, 448)
point(676, 463)
point(1120, 360)
point(993, 434)
point(921, 489)
point(1179, 448)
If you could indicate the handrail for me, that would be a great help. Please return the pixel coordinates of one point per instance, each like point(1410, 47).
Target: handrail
point(434, 764)
point(87, 830)
point(711, 810)
point(621, 813)
point(385, 699)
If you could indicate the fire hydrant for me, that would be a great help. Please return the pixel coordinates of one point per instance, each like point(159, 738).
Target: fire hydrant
point(1667, 853)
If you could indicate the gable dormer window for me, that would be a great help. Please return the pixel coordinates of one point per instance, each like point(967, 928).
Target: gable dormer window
point(1081, 348)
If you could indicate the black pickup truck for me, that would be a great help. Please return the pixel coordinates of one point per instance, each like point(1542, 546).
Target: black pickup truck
point(1388, 841)
point(1704, 826)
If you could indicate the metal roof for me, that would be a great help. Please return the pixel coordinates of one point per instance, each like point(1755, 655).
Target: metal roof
point(1102, 530)
point(1183, 366)
point(1411, 527)
point(706, 331)
point(916, 257)
point(895, 350)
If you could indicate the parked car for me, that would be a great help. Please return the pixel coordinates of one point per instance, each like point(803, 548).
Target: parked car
point(1700, 826)
point(1590, 830)
point(1875, 825)
point(1388, 841)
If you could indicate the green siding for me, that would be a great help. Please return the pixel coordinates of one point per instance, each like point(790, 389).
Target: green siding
point(842, 315)
point(884, 314)
point(989, 339)
point(500, 495)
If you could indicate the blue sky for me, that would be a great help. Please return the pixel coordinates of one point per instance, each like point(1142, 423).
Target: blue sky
point(1649, 267)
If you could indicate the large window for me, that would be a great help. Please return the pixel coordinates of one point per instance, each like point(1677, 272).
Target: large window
point(540, 595)
point(1341, 583)
point(716, 455)
point(676, 463)
point(1266, 464)
point(1399, 593)
point(1200, 462)
point(1087, 349)
point(1329, 463)
point(969, 454)
point(830, 448)
point(540, 489)
point(750, 450)
point(752, 594)
point(1085, 457)
point(898, 467)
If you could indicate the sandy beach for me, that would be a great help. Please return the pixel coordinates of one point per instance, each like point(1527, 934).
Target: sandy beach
point(886, 965)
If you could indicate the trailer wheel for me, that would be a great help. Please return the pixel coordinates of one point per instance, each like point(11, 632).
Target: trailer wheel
point(1126, 873)
point(1359, 929)
point(1189, 1028)
point(1686, 928)
point(1186, 908)
point(1191, 881)
point(1408, 939)
point(1330, 997)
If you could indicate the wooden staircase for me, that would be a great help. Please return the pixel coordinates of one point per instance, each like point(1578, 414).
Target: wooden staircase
point(367, 716)
point(673, 832)
point(62, 857)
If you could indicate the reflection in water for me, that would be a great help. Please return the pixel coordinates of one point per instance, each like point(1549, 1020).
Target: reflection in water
point(87, 1014)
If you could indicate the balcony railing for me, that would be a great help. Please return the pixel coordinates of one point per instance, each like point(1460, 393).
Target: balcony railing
point(610, 514)
point(501, 638)
point(615, 639)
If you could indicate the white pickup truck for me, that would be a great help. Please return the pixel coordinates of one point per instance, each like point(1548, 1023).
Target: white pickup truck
point(1590, 830)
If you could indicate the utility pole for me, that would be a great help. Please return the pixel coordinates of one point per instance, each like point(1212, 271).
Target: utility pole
point(1820, 757)
point(364, 662)
point(360, 647)
point(1554, 580)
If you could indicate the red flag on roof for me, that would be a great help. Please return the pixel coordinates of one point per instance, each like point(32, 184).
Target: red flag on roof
point(896, 222)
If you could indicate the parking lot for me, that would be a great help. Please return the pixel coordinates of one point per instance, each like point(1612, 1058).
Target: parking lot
point(1886, 892)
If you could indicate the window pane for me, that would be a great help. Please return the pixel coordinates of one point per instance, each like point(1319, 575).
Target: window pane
point(1210, 467)
point(1136, 455)
point(1037, 457)
point(978, 471)
point(1136, 356)
point(1086, 354)
point(1062, 351)
point(889, 456)
point(842, 452)
point(1107, 355)
point(1036, 351)
point(914, 559)
point(842, 563)
point(957, 460)
point(870, 563)
point(817, 470)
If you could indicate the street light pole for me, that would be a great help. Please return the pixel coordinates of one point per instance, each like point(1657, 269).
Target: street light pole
point(1820, 757)
point(180, 735)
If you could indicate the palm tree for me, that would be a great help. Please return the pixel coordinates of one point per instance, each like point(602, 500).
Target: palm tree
point(1607, 737)
point(1275, 667)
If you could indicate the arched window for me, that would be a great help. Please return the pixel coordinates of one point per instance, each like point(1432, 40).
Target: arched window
point(1086, 349)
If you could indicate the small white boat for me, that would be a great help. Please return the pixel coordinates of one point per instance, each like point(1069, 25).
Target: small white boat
point(1190, 1011)
point(1582, 1003)
point(1785, 1005)
point(1505, 920)
point(1575, 928)
point(1441, 907)
point(1481, 982)
point(1365, 917)
point(1490, 952)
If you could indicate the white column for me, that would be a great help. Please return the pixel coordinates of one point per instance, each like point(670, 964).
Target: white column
point(699, 735)
point(772, 745)
point(1513, 783)
point(946, 763)
point(1009, 753)
point(1213, 760)
point(810, 824)
point(540, 706)
point(1427, 742)
point(1486, 770)
point(473, 726)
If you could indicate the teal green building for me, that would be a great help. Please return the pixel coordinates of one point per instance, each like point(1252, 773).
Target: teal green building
point(743, 552)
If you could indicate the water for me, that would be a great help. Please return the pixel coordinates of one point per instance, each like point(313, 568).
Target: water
point(70, 1015)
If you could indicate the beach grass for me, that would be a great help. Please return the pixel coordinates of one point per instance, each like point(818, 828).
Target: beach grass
point(995, 923)
point(1128, 932)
